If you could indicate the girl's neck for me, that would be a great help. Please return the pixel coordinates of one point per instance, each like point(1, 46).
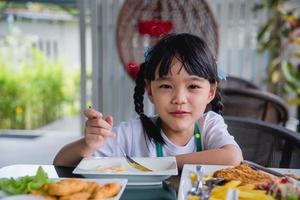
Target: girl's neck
point(180, 138)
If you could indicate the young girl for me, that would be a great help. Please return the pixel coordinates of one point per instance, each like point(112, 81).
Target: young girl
point(180, 77)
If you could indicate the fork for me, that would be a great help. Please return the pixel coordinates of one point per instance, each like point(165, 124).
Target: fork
point(133, 163)
point(198, 188)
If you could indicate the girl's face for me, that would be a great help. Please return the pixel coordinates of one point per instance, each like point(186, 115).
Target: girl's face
point(179, 98)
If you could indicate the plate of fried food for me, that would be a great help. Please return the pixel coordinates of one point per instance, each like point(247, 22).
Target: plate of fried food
point(84, 189)
point(41, 187)
point(104, 167)
point(247, 182)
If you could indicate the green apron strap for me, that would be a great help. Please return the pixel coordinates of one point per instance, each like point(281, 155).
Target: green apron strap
point(159, 151)
point(197, 137)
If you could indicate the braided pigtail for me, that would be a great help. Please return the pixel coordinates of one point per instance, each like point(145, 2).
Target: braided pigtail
point(216, 103)
point(152, 131)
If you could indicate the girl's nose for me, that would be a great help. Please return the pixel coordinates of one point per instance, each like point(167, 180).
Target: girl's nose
point(179, 97)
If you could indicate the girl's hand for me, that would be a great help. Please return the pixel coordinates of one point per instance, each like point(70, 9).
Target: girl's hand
point(97, 129)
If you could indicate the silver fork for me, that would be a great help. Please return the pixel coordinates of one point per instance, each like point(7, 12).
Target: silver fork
point(197, 190)
point(133, 163)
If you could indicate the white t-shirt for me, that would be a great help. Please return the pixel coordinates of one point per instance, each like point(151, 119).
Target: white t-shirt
point(130, 135)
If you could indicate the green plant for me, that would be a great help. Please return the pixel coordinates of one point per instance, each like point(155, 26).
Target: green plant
point(280, 36)
point(34, 90)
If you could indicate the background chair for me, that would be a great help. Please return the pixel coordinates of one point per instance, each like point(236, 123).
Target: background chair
point(253, 103)
point(265, 143)
point(237, 82)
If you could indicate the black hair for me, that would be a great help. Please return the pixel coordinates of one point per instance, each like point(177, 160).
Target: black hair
point(196, 58)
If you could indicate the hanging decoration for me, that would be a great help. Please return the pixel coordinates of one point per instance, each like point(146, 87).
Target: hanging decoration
point(154, 27)
point(142, 22)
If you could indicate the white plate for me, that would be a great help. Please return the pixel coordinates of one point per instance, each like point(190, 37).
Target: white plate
point(22, 197)
point(186, 184)
point(121, 182)
point(163, 167)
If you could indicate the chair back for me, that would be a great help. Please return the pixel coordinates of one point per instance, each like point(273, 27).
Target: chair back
point(237, 82)
point(266, 143)
point(252, 103)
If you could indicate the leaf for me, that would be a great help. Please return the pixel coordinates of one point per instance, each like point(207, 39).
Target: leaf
point(275, 63)
point(296, 54)
point(265, 28)
point(294, 101)
point(25, 184)
point(272, 3)
point(275, 76)
point(290, 88)
point(290, 73)
point(287, 69)
point(257, 6)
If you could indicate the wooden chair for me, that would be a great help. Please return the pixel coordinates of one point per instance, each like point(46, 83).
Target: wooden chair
point(253, 103)
point(237, 82)
point(265, 143)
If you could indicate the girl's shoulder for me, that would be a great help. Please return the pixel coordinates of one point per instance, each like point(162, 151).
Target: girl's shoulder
point(211, 116)
point(211, 121)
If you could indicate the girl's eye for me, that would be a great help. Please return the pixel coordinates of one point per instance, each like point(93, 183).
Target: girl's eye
point(194, 86)
point(165, 86)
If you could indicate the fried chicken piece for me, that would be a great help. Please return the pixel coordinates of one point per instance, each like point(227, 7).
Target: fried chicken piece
point(66, 187)
point(76, 196)
point(43, 193)
point(48, 197)
point(245, 174)
point(92, 187)
point(106, 191)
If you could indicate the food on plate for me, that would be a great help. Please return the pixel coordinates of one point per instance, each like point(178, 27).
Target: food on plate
point(72, 189)
point(291, 175)
point(283, 189)
point(24, 185)
point(250, 184)
point(108, 190)
point(116, 168)
point(245, 174)
point(66, 189)
point(75, 196)
point(245, 191)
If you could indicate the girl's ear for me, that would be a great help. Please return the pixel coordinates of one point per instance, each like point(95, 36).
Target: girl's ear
point(149, 91)
point(212, 92)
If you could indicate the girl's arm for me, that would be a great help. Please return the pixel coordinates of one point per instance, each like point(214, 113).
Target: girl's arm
point(71, 154)
point(227, 155)
point(97, 130)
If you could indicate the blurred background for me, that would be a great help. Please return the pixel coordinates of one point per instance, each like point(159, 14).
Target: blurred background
point(58, 57)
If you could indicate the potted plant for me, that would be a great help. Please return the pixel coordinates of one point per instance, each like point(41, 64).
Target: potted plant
point(280, 36)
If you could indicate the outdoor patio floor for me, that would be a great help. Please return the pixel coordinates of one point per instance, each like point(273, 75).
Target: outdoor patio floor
point(37, 146)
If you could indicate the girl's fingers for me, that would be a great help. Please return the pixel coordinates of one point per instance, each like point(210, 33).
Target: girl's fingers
point(92, 113)
point(109, 119)
point(94, 141)
point(94, 138)
point(99, 131)
point(100, 123)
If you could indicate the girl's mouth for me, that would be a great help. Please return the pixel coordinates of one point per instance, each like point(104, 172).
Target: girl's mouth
point(179, 114)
